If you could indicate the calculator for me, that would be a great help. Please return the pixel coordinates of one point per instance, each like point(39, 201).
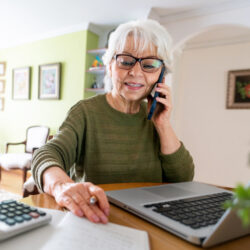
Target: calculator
point(17, 217)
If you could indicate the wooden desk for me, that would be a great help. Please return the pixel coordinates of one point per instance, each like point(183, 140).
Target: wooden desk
point(159, 239)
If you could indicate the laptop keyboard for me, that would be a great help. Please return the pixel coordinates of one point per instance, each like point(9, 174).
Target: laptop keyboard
point(194, 212)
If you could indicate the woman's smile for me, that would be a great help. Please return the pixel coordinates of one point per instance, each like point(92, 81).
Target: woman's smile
point(134, 85)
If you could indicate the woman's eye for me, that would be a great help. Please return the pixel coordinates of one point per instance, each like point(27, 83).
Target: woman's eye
point(127, 63)
point(148, 66)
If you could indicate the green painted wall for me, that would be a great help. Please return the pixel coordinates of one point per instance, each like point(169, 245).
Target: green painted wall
point(70, 51)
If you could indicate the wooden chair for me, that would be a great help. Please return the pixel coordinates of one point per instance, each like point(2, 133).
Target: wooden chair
point(36, 136)
point(29, 187)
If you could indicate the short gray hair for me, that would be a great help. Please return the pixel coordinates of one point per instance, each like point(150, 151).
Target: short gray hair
point(146, 34)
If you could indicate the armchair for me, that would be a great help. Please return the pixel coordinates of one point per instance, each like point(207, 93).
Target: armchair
point(36, 136)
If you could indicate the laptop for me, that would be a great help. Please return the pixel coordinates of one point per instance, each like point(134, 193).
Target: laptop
point(190, 210)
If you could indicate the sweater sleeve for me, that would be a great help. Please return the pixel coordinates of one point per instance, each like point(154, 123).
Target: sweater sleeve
point(178, 166)
point(64, 149)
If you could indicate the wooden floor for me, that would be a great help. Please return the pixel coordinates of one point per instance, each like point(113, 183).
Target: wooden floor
point(12, 181)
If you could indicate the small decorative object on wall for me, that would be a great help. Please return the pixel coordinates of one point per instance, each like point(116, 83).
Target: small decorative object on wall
point(238, 90)
point(2, 68)
point(21, 84)
point(1, 103)
point(2, 86)
point(49, 81)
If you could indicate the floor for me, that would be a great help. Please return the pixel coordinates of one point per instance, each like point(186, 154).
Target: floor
point(12, 181)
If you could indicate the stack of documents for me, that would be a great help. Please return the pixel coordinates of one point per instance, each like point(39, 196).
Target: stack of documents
point(67, 232)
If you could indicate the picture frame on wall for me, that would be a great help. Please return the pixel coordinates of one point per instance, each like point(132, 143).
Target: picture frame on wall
point(1, 103)
point(21, 83)
point(49, 81)
point(2, 68)
point(2, 86)
point(238, 89)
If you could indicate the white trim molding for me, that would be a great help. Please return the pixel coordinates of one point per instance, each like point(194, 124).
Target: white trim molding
point(217, 42)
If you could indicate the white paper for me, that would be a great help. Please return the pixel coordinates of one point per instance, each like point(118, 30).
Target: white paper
point(79, 233)
point(36, 238)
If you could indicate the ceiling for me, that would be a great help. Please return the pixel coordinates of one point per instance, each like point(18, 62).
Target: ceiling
point(27, 20)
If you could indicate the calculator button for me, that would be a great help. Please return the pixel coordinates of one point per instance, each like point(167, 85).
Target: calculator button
point(32, 209)
point(3, 211)
point(41, 213)
point(18, 212)
point(7, 201)
point(26, 217)
point(24, 205)
point(10, 221)
point(5, 206)
point(19, 207)
point(26, 211)
point(13, 204)
point(18, 219)
point(12, 209)
point(34, 214)
point(10, 215)
point(3, 217)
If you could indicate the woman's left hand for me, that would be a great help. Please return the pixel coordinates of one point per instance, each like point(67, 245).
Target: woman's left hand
point(161, 116)
point(161, 119)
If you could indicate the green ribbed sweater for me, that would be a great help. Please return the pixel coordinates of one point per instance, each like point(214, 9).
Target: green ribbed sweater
point(99, 144)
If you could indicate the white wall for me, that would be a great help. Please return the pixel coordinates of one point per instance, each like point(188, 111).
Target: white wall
point(218, 138)
point(183, 29)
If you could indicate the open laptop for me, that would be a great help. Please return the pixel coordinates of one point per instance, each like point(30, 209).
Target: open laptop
point(190, 210)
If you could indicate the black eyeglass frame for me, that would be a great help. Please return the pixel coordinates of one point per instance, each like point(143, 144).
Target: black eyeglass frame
point(139, 60)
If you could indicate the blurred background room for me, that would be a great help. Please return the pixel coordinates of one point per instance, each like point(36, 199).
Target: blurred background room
point(50, 58)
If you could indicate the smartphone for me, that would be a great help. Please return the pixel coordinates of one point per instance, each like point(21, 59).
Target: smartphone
point(153, 106)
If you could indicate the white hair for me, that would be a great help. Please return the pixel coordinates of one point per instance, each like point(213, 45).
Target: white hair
point(146, 34)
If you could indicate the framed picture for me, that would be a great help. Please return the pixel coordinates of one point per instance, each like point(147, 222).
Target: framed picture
point(2, 68)
point(1, 103)
point(49, 81)
point(2, 86)
point(21, 84)
point(238, 90)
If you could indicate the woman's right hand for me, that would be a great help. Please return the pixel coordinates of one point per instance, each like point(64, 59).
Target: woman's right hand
point(75, 196)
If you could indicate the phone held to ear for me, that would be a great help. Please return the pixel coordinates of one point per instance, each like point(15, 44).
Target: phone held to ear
point(153, 106)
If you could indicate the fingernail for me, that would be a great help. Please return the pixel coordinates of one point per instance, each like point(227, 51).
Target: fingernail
point(106, 211)
point(95, 218)
point(79, 213)
point(104, 219)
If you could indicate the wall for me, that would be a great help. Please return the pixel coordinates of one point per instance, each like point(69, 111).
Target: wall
point(218, 138)
point(70, 50)
point(89, 79)
point(186, 25)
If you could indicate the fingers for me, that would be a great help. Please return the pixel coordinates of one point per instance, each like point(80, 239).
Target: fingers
point(101, 208)
point(101, 197)
point(163, 89)
point(165, 94)
point(75, 197)
point(66, 201)
point(103, 218)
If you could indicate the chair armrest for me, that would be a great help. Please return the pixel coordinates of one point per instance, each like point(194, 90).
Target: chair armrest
point(13, 144)
point(33, 150)
point(30, 188)
point(50, 137)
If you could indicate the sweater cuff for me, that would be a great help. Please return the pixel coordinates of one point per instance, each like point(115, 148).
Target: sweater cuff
point(177, 155)
point(41, 169)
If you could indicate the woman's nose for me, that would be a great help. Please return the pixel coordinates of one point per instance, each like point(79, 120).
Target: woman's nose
point(136, 70)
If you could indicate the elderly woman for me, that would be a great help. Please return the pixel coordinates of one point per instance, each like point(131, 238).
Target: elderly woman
point(108, 138)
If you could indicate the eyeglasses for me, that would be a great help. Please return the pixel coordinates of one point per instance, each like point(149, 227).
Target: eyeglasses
point(149, 65)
